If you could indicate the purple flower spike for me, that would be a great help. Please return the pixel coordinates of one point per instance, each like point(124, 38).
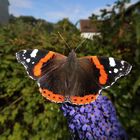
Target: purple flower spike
point(94, 121)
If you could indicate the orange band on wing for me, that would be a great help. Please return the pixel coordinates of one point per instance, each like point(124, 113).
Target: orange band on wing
point(51, 96)
point(83, 100)
point(38, 66)
point(103, 75)
point(73, 99)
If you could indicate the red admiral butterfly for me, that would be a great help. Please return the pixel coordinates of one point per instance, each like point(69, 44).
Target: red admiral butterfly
point(71, 79)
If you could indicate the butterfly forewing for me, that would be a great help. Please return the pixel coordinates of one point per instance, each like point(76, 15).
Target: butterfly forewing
point(107, 69)
point(29, 58)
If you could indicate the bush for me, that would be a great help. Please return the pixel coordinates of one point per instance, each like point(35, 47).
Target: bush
point(25, 114)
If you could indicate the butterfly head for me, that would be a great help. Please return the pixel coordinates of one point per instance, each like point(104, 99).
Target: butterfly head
point(72, 56)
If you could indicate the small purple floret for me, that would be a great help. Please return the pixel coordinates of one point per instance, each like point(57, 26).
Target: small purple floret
point(94, 121)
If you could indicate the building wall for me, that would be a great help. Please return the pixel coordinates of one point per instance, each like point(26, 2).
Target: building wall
point(4, 11)
point(89, 35)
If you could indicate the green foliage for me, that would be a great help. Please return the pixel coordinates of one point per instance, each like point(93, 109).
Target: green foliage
point(121, 38)
point(25, 114)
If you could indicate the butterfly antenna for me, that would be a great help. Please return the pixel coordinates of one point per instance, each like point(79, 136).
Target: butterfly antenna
point(80, 44)
point(64, 40)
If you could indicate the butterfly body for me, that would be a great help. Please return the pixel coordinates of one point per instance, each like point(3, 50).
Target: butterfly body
point(71, 79)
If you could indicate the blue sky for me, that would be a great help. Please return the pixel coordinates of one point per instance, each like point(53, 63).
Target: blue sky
point(54, 10)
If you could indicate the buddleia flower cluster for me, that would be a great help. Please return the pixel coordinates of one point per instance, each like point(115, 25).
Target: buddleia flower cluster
point(94, 121)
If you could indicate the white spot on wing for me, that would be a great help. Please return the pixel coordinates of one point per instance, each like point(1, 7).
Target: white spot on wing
point(31, 77)
point(116, 78)
point(110, 71)
point(24, 64)
point(38, 84)
point(122, 62)
point(24, 51)
point(112, 62)
point(34, 52)
point(115, 70)
point(128, 70)
point(28, 60)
